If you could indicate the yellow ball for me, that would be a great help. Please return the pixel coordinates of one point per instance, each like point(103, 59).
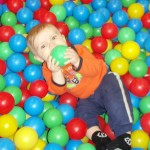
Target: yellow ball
point(118, 47)
point(87, 43)
point(48, 97)
point(109, 46)
point(39, 145)
point(25, 138)
point(130, 50)
point(136, 10)
point(56, 2)
point(8, 125)
point(119, 65)
point(85, 139)
point(139, 139)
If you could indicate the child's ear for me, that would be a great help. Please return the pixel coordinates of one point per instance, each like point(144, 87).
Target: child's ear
point(38, 59)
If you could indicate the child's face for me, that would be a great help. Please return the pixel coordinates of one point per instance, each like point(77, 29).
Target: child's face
point(45, 41)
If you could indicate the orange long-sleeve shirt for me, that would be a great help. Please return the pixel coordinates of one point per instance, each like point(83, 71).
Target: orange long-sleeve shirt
point(81, 82)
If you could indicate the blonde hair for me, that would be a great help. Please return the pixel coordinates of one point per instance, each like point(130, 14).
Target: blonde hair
point(34, 32)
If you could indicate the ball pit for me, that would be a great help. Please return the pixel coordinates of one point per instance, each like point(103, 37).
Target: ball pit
point(115, 31)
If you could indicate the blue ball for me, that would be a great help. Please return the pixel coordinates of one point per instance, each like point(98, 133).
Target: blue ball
point(12, 79)
point(76, 36)
point(37, 124)
point(33, 4)
point(105, 12)
point(33, 106)
point(73, 144)
point(145, 4)
point(69, 6)
point(32, 72)
point(148, 61)
point(81, 13)
point(96, 19)
point(120, 18)
point(137, 126)
point(31, 24)
point(6, 144)
point(17, 43)
point(67, 112)
point(16, 62)
point(114, 5)
point(96, 4)
point(135, 24)
point(53, 146)
point(147, 44)
point(134, 100)
point(24, 15)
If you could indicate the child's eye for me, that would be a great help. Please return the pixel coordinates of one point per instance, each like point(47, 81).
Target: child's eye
point(54, 37)
point(43, 46)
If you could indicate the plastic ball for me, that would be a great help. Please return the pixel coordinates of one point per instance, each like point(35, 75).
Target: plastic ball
point(87, 44)
point(33, 106)
point(24, 15)
point(126, 3)
point(139, 139)
point(52, 118)
point(147, 44)
point(69, 6)
point(76, 128)
point(120, 18)
point(138, 68)
point(73, 144)
point(6, 32)
point(53, 146)
point(32, 73)
point(111, 55)
point(135, 101)
point(86, 146)
point(96, 19)
point(3, 67)
point(67, 112)
point(33, 4)
point(19, 29)
point(136, 10)
point(58, 53)
point(12, 79)
point(16, 62)
point(36, 123)
point(145, 122)
point(6, 144)
point(96, 4)
point(76, 36)
point(136, 115)
point(8, 125)
point(25, 138)
point(99, 44)
point(56, 2)
point(58, 135)
point(24, 83)
point(136, 126)
point(109, 30)
point(38, 88)
point(6, 102)
point(59, 11)
point(63, 28)
point(130, 50)
point(126, 34)
point(139, 87)
point(3, 82)
point(68, 98)
point(146, 20)
point(119, 65)
point(14, 5)
point(3, 1)
point(86, 1)
point(8, 19)
point(48, 97)
point(81, 13)
point(144, 105)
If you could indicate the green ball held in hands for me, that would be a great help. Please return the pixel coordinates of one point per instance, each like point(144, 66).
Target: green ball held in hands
point(58, 54)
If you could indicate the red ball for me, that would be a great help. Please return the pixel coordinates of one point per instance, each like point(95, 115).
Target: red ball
point(147, 76)
point(6, 32)
point(101, 122)
point(63, 28)
point(38, 88)
point(25, 95)
point(145, 122)
point(45, 4)
point(76, 128)
point(98, 56)
point(127, 79)
point(99, 44)
point(49, 17)
point(7, 102)
point(38, 14)
point(140, 87)
point(3, 1)
point(68, 98)
point(28, 62)
point(24, 82)
point(109, 30)
point(146, 20)
point(14, 5)
point(86, 1)
point(3, 67)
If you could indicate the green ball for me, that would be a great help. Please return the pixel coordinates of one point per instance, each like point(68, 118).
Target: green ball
point(58, 135)
point(58, 54)
point(136, 115)
point(144, 105)
point(86, 146)
point(2, 82)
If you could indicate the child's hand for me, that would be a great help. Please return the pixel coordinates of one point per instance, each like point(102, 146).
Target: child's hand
point(73, 56)
point(52, 65)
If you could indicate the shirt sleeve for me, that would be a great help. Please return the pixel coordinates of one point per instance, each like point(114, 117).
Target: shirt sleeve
point(52, 86)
